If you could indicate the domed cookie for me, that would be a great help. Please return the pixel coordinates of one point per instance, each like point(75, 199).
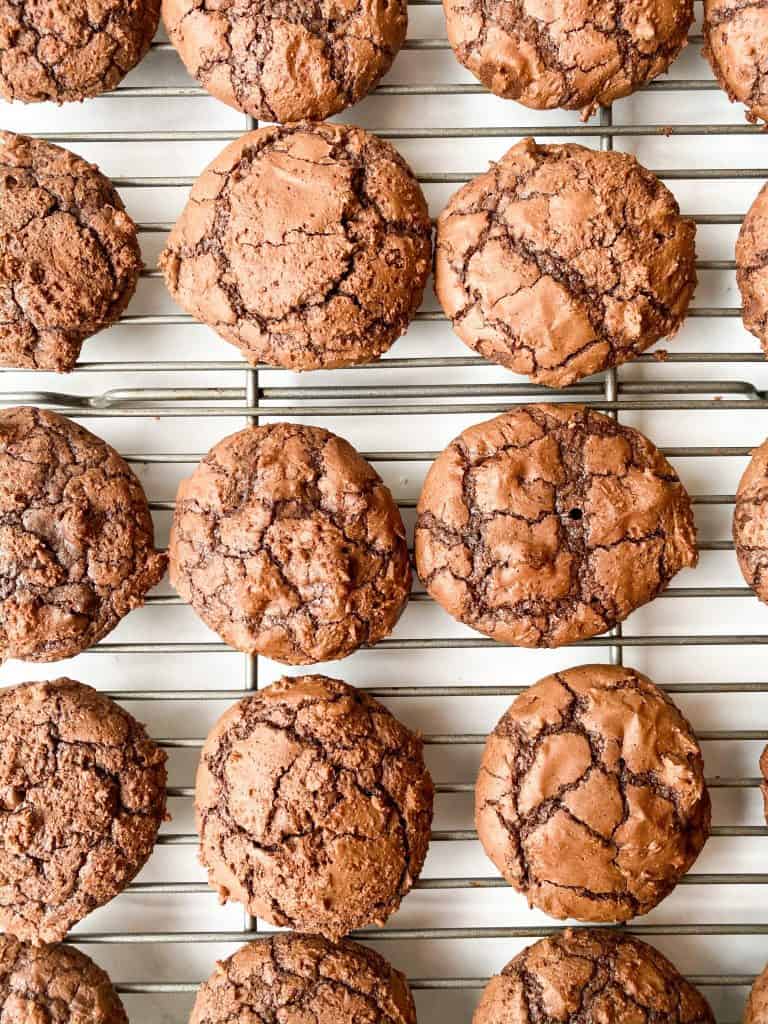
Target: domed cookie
point(313, 806)
point(561, 261)
point(82, 796)
point(307, 247)
point(550, 524)
point(735, 42)
point(752, 267)
point(591, 797)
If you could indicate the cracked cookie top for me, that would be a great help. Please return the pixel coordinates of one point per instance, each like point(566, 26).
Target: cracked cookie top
point(289, 975)
point(561, 261)
point(54, 985)
point(307, 246)
point(63, 50)
point(752, 265)
point(69, 254)
point(591, 797)
point(750, 522)
point(76, 537)
point(591, 976)
point(287, 61)
point(313, 806)
point(550, 524)
point(286, 542)
point(575, 55)
point(82, 796)
point(736, 45)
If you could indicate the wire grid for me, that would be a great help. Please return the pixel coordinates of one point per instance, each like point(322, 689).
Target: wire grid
point(249, 399)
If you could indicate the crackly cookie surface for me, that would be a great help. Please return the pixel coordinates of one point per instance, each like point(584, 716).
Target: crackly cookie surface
point(313, 806)
point(590, 976)
point(752, 266)
point(306, 246)
point(82, 795)
point(561, 261)
point(591, 797)
point(338, 982)
point(54, 985)
point(576, 55)
point(287, 61)
point(76, 537)
point(287, 543)
point(62, 51)
point(550, 524)
point(69, 254)
point(750, 522)
point(736, 45)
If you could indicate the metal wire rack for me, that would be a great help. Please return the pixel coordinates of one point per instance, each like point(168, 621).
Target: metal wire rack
point(252, 399)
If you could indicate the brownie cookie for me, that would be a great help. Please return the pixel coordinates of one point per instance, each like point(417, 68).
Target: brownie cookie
point(287, 61)
point(591, 976)
point(69, 254)
point(307, 247)
point(757, 1005)
point(54, 985)
point(66, 51)
point(575, 55)
point(338, 983)
point(287, 544)
point(591, 797)
point(752, 267)
point(313, 806)
point(550, 524)
point(736, 45)
point(750, 522)
point(561, 261)
point(76, 538)
point(82, 796)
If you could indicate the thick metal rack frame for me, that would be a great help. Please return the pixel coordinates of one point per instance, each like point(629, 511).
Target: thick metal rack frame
point(252, 400)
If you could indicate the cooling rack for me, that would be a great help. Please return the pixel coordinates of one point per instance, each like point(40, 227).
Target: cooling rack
point(163, 389)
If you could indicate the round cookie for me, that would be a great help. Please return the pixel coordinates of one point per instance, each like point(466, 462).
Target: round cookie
point(561, 261)
point(735, 41)
point(575, 55)
point(339, 982)
point(67, 51)
point(69, 254)
point(313, 806)
point(591, 797)
point(586, 976)
point(291, 61)
point(550, 524)
point(82, 796)
point(307, 247)
point(287, 544)
point(756, 1011)
point(76, 538)
point(752, 267)
point(750, 522)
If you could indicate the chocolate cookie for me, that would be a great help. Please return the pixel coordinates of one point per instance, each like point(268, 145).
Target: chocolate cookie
point(66, 51)
point(591, 797)
point(576, 55)
point(287, 61)
point(750, 522)
point(752, 266)
point(307, 247)
point(54, 985)
point(550, 524)
point(286, 543)
point(735, 41)
point(757, 1005)
point(561, 261)
point(69, 253)
point(338, 983)
point(76, 538)
point(591, 976)
point(82, 795)
point(313, 806)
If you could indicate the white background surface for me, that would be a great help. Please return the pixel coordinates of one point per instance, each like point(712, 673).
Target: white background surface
point(492, 666)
